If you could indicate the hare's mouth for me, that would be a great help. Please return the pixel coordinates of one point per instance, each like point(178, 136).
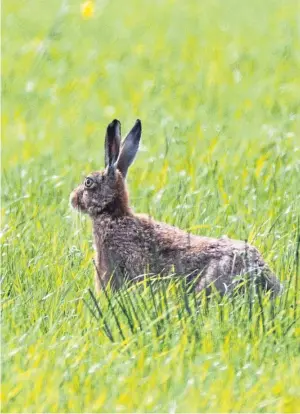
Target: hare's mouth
point(76, 201)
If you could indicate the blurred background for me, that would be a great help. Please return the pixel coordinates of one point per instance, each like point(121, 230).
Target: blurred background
point(217, 87)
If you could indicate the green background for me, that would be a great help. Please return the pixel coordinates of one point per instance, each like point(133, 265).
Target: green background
point(216, 85)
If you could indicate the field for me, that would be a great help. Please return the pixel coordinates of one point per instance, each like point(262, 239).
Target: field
point(217, 87)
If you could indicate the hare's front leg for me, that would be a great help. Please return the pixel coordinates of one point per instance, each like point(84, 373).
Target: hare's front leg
point(108, 270)
point(100, 281)
point(101, 271)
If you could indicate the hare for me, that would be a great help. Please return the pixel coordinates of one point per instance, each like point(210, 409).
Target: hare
point(130, 245)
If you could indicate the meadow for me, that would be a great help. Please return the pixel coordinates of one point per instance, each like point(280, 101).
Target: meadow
point(216, 85)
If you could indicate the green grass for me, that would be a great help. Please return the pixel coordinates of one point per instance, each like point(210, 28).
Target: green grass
point(216, 85)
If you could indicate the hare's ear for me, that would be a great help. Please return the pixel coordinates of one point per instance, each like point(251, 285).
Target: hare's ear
point(129, 148)
point(112, 143)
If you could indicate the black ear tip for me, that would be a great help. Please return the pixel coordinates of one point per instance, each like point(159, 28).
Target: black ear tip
point(138, 123)
point(114, 123)
point(114, 126)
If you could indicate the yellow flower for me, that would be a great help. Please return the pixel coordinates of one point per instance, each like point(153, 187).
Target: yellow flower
point(87, 9)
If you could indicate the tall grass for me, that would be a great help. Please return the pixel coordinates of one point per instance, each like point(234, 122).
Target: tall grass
point(217, 88)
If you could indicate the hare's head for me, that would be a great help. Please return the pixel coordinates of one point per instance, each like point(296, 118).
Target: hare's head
point(105, 191)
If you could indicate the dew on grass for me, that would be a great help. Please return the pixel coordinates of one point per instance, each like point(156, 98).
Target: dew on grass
point(59, 184)
point(95, 368)
point(3, 231)
point(48, 296)
point(173, 406)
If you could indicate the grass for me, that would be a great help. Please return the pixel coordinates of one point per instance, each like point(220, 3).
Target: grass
point(216, 85)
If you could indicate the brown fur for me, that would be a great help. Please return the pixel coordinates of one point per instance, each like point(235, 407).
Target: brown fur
point(131, 245)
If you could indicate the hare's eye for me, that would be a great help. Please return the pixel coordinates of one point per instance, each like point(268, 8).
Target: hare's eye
point(89, 182)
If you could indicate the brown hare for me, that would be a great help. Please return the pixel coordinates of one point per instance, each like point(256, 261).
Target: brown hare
point(130, 245)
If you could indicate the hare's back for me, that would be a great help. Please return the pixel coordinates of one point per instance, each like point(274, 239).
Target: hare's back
point(171, 237)
point(174, 238)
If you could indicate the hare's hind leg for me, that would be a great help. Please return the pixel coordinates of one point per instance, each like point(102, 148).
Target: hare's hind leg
point(224, 274)
point(258, 272)
point(232, 272)
point(269, 282)
point(218, 273)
